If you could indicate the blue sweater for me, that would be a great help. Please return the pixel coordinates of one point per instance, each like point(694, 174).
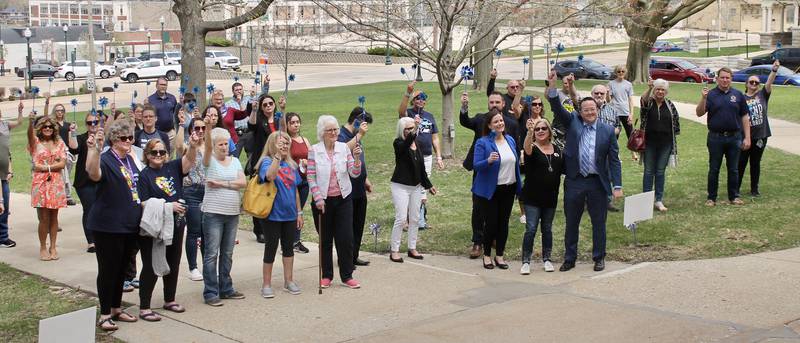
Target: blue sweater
point(486, 174)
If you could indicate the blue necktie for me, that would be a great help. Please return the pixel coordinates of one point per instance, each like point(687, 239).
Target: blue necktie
point(586, 152)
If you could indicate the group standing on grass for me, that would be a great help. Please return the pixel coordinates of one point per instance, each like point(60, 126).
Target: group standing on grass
point(137, 199)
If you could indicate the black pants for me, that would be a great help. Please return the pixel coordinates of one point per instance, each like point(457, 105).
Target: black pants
point(113, 253)
point(477, 220)
point(337, 226)
point(258, 226)
point(625, 125)
point(87, 195)
point(130, 268)
point(753, 155)
point(278, 231)
point(147, 279)
point(359, 219)
point(496, 212)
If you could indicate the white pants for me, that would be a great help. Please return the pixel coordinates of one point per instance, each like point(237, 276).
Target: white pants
point(428, 161)
point(406, 201)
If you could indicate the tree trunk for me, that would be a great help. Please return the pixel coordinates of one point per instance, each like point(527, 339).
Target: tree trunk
point(638, 62)
point(193, 48)
point(447, 123)
point(484, 67)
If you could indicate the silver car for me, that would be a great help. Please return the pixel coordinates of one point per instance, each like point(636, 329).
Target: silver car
point(126, 62)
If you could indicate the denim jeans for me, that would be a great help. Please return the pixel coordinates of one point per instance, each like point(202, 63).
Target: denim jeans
point(727, 146)
point(4, 216)
point(194, 222)
point(656, 157)
point(87, 194)
point(533, 216)
point(219, 238)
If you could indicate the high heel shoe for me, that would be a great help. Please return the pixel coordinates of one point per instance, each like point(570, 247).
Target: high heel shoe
point(418, 256)
point(488, 265)
point(500, 265)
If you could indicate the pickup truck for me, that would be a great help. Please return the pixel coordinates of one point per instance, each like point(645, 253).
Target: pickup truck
point(151, 69)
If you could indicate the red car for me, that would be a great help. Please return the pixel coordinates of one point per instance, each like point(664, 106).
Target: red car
point(679, 70)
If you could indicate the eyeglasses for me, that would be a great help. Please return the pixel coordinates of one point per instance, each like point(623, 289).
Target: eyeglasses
point(125, 138)
point(332, 130)
point(537, 104)
point(92, 122)
point(199, 128)
point(755, 83)
point(155, 153)
point(51, 127)
point(268, 104)
point(537, 129)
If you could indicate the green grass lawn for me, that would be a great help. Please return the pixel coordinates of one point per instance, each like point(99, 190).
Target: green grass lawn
point(712, 52)
point(689, 230)
point(25, 299)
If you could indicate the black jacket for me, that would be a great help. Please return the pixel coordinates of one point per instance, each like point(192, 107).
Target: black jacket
point(476, 125)
point(409, 167)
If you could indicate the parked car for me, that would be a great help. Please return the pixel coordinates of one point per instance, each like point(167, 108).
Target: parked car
point(679, 70)
point(171, 55)
point(152, 69)
point(222, 60)
point(584, 69)
point(665, 46)
point(785, 75)
point(38, 69)
point(81, 68)
point(126, 62)
point(789, 57)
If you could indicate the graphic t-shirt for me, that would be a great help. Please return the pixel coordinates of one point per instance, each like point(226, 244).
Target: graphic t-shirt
point(427, 128)
point(757, 108)
point(162, 183)
point(284, 208)
point(118, 205)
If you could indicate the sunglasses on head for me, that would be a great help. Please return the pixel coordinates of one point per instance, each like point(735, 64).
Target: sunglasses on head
point(125, 138)
point(537, 129)
point(753, 82)
point(158, 153)
point(92, 122)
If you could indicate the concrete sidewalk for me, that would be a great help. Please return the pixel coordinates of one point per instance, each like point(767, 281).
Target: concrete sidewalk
point(453, 299)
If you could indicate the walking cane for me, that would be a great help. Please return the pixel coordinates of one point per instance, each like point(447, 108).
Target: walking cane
point(320, 253)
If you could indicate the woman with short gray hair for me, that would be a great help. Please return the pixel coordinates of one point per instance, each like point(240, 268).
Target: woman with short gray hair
point(660, 122)
point(114, 217)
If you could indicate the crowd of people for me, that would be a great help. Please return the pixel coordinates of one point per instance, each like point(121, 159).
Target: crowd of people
point(167, 170)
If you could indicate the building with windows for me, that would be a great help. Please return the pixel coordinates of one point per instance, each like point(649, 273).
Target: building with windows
point(111, 15)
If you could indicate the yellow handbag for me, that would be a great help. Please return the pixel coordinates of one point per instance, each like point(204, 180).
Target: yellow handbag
point(259, 197)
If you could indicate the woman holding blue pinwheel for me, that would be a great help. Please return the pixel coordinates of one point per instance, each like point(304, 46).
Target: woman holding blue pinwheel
point(262, 122)
point(49, 155)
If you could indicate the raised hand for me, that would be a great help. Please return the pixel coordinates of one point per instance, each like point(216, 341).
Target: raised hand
point(357, 151)
point(410, 87)
point(493, 156)
point(72, 127)
point(551, 78)
point(493, 74)
point(464, 99)
point(181, 116)
point(282, 103)
point(363, 128)
point(195, 139)
point(704, 92)
point(20, 107)
point(529, 124)
point(650, 82)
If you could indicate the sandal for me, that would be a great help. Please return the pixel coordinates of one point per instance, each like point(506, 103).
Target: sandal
point(150, 316)
point(177, 308)
point(111, 325)
point(118, 317)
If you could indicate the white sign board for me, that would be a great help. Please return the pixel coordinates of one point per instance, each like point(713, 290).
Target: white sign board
point(77, 327)
point(90, 84)
point(638, 207)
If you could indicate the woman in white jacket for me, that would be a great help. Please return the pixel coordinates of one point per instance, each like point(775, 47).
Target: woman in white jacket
point(331, 164)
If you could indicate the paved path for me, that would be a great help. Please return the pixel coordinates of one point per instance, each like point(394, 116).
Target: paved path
point(453, 299)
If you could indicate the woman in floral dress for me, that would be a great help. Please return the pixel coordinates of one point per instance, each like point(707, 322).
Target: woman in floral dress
point(47, 188)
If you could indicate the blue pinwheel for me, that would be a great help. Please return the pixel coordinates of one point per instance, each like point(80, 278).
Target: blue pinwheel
point(467, 73)
point(50, 85)
point(35, 92)
point(403, 71)
point(50, 79)
point(182, 90)
point(210, 88)
point(236, 78)
point(114, 91)
point(291, 77)
point(147, 87)
point(528, 100)
point(422, 96)
point(191, 106)
point(186, 78)
point(74, 103)
point(779, 45)
point(552, 62)
point(195, 90)
point(103, 102)
point(362, 102)
point(497, 54)
point(525, 61)
point(559, 49)
point(414, 66)
point(278, 115)
point(580, 57)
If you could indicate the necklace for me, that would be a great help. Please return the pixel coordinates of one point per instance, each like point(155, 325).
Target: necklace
point(549, 162)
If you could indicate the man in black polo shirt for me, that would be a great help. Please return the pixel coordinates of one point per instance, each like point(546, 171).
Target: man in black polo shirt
point(165, 106)
point(728, 133)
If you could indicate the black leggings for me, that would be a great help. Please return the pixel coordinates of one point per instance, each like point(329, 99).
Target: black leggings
point(113, 254)
point(337, 226)
point(497, 212)
point(753, 155)
point(147, 278)
point(625, 125)
point(359, 219)
point(275, 231)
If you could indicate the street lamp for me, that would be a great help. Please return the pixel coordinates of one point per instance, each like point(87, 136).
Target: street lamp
point(148, 44)
point(161, 20)
point(388, 57)
point(2, 58)
point(28, 35)
point(66, 50)
point(746, 43)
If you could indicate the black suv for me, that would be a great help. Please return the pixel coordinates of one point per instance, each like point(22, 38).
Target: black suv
point(789, 58)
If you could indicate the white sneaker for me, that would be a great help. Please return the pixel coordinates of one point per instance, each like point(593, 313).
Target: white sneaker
point(548, 267)
point(660, 206)
point(522, 219)
point(526, 269)
point(195, 275)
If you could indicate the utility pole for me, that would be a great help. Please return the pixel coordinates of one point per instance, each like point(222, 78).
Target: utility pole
point(92, 57)
point(530, 53)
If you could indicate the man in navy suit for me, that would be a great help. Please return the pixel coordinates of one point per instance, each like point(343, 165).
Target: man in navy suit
point(592, 166)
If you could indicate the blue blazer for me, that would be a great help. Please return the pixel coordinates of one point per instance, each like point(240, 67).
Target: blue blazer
point(606, 151)
point(486, 174)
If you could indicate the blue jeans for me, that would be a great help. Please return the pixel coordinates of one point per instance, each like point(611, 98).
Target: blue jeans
point(656, 157)
point(219, 238)
point(719, 146)
point(4, 216)
point(533, 215)
point(194, 222)
point(87, 194)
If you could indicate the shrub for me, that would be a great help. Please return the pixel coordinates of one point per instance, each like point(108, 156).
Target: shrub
point(381, 50)
point(218, 41)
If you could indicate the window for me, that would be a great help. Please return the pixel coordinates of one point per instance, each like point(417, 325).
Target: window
point(43, 9)
point(81, 64)
point(209, 55)
point(780, 53)
point(73, 9)
point(84, 10)
point(283, 13)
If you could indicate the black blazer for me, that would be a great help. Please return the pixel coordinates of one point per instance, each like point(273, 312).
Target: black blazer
point(476, 125)
point(409, 167)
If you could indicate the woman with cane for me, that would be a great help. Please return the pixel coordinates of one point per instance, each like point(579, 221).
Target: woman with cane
point(331, 164)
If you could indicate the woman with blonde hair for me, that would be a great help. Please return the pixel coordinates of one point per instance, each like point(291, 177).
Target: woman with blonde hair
point(49, 155)
point(285, 218)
